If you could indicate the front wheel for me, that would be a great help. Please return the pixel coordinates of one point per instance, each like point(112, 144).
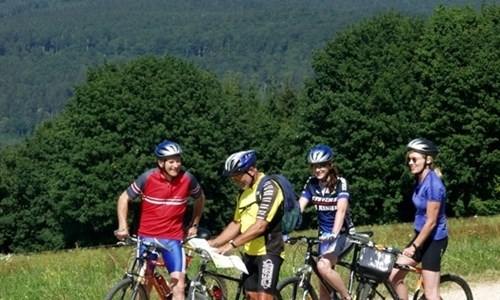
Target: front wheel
point(364, 291)
point(451, 287)
point(208, 287)
point(127, 289)
point(291, 288)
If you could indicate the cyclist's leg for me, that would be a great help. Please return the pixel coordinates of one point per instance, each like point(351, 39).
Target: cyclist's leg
point(330, 251)
point(148, 285)
point(175, 262)
point(431, 267)
point(176, 270)
point(397, 277)
point(431, 284)
point(263, 276)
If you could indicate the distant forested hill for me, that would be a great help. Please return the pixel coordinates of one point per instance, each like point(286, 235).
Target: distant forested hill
point(46, 46)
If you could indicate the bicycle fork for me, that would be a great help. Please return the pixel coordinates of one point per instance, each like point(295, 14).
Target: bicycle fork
point(304, 273)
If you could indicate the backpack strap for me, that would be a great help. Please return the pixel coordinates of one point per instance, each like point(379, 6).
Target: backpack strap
point(276, 221)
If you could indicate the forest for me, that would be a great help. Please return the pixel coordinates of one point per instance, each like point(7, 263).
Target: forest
point(374, 86)
point(46, 46)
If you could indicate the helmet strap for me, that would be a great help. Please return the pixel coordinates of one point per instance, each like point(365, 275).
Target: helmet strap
point(253, 177)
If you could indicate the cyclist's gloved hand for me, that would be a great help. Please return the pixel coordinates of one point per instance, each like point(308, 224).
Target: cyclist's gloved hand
point(327, 236)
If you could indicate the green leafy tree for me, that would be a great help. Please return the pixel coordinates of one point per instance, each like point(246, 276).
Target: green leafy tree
point(458, 66)
point(392, 79)
point(358, 104)
point(75, 167)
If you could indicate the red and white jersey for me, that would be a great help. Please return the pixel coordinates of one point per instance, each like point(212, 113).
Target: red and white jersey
point(163, 203)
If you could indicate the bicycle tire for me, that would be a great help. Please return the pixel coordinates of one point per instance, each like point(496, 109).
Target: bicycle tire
point(364, 291)
point(450, 287)
point(208, 287)
point(290, 288)
point(124, 289)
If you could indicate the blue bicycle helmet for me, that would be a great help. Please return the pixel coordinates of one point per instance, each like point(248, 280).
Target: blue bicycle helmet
point(320, 154)
point(167, 148)
point(239, 162)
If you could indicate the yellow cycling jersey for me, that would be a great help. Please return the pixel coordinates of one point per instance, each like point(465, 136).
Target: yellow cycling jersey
point(248, 211)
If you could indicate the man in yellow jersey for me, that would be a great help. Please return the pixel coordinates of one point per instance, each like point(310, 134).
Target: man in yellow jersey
point(256, 226)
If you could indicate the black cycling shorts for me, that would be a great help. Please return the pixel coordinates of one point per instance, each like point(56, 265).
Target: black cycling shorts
point(430, 254)
point(263, 272)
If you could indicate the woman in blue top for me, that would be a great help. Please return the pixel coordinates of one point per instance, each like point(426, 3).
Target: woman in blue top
point(329, 193)
point(431, 235)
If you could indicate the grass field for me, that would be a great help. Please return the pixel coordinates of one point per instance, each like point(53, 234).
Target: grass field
point(473, 253)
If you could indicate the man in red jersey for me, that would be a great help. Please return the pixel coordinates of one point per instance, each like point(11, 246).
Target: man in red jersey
point(164, 193)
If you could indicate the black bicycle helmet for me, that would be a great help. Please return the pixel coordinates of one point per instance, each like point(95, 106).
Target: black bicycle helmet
point(239, 162)
point(423, 146)
point(167, 148)
point(203, 233)
point(320, 154)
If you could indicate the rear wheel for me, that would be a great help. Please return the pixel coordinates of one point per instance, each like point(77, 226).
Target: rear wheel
point(291, 288)
point(451, 287)
point(127, 289)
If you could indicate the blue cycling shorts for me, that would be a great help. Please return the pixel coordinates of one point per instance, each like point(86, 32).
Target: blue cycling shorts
point(172, 253)
point(336, 247)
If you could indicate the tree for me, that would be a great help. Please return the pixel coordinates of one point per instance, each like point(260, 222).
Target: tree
point(77, 165)
point(458, 65)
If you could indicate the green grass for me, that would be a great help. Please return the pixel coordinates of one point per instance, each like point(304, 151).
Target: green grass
point(472, 253)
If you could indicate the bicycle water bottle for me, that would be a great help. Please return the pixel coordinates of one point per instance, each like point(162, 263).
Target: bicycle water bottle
point(217, 293)
point(162, 283)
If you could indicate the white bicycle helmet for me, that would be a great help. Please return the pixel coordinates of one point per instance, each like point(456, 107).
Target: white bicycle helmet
point(423, 146)
point(167, 148)
point(320, 154)
point(239, 162)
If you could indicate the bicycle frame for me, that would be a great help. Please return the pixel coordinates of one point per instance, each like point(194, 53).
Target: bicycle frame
point(204, 271)
point(146, 263)
point(368, 284)
point(310, 263)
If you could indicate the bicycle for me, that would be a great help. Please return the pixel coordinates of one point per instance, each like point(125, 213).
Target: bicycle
point(140, 274)
point(299, 285)
point(204, 275)
point(375, 263)
point(369, 266)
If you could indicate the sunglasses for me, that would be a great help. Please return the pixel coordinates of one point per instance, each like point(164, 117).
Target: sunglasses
point(413, 159)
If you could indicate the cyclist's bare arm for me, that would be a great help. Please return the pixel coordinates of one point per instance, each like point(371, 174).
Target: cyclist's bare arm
point(122, 211)
point(432, 213)
point(303, 203)
point(342, 204)
point(232, 230)
point(199, 204)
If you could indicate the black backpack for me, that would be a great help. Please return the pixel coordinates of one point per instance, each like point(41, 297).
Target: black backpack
point(292, 217)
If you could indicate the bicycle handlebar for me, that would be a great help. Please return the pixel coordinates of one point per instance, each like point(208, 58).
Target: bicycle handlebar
point(365, 241)
point(359, 238)
point(302, 239)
